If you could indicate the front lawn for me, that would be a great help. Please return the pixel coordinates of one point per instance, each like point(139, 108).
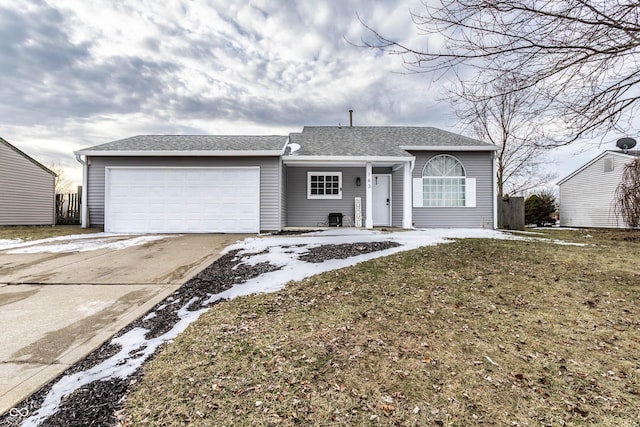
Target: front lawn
point(490, 332)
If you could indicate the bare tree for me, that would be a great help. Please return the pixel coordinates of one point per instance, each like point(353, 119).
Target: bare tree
point(580, 56)
point(510, 121)
point(62, 184)
point(627, 197)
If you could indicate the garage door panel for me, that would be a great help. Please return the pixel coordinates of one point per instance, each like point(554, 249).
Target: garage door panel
point(181, 200)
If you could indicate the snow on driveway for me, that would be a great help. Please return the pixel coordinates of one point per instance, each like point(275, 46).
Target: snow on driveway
point(77, 243)
point(282, 251)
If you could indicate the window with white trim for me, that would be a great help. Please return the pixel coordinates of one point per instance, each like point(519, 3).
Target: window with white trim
point(324, 185)
point(443, 182)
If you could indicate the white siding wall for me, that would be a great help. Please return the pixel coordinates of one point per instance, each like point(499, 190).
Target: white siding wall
point(270, 197)
point(587, 198)
point(27, 191)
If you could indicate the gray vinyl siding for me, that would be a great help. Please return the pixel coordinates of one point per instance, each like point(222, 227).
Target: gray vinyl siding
point(27, 191)
point(587, 199)
point(397, 190)
point(270, 187)
point(303, 212)
point(478, 165)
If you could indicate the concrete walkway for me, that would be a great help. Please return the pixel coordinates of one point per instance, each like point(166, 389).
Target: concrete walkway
point(55, 308)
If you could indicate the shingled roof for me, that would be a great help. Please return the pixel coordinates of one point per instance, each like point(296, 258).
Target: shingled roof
point(191, 144)
point(382, 141)
point(313, 141)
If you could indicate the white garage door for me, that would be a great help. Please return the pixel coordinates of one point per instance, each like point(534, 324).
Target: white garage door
point(182, 200)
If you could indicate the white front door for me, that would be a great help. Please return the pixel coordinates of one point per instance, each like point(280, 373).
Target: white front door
point(381, 198)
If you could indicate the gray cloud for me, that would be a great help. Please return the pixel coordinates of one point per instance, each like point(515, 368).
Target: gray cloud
point(81, 74)
point(34, 42)
point(53, 78)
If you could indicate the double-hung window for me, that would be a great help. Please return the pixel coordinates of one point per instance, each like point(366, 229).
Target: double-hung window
point(324, 185)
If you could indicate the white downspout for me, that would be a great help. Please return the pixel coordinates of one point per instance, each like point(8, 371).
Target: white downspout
point(85, 201)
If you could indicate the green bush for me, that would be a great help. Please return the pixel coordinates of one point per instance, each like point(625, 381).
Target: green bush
point(538, 208)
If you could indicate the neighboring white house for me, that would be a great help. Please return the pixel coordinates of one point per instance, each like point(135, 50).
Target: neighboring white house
point(587, 196)
point(27, 189)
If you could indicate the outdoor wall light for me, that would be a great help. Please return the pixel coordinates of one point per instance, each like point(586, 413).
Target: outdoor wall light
point(358, 182)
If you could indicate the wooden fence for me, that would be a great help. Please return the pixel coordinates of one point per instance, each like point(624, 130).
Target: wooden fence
point(511, 213)
point(68, 207)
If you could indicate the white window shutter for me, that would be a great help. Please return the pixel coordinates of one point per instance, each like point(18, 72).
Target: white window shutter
point(417, 193)
point(470, 192)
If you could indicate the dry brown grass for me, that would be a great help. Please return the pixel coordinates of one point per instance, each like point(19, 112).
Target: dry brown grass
point(35, 232)
point(484, 332)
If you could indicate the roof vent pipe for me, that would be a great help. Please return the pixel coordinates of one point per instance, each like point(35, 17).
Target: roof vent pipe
point(350, 118)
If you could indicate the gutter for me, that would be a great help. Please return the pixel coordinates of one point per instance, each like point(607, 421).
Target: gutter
point(449, 147)
point(344, 160)
point(170, 153)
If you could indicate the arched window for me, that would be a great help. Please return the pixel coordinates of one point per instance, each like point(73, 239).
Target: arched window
point(443, 182)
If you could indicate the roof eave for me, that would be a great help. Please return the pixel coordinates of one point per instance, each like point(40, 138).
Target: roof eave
point(28, 157)
point(449, 147)
point(182, 153)
point(592, 161)
point(308, 160)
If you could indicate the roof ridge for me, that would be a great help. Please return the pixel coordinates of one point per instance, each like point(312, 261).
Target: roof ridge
point(203, 135)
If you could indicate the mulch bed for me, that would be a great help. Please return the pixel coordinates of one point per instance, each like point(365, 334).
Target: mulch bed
point(100, 403)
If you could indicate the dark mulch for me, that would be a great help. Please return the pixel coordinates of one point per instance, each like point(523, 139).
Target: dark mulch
point(98, 403)
point(91, 405)
point(347, 250)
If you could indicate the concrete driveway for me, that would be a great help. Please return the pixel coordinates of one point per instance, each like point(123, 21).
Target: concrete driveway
point(61, 299)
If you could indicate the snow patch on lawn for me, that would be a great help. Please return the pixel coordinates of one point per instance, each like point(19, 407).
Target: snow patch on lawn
point(9, 243)
point(134, 352)
point(282, 251)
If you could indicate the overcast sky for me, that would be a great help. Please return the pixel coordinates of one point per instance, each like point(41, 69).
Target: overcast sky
point(79, 73)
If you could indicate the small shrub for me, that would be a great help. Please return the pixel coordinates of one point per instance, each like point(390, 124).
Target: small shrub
point(538, 208)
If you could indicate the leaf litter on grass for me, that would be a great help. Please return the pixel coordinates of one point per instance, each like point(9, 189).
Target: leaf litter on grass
point(475, 332)
point(75, 405)
point(93, 390)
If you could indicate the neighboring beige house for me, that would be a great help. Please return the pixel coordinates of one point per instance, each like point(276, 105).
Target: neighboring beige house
point(587, 196)
point(27, 189)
